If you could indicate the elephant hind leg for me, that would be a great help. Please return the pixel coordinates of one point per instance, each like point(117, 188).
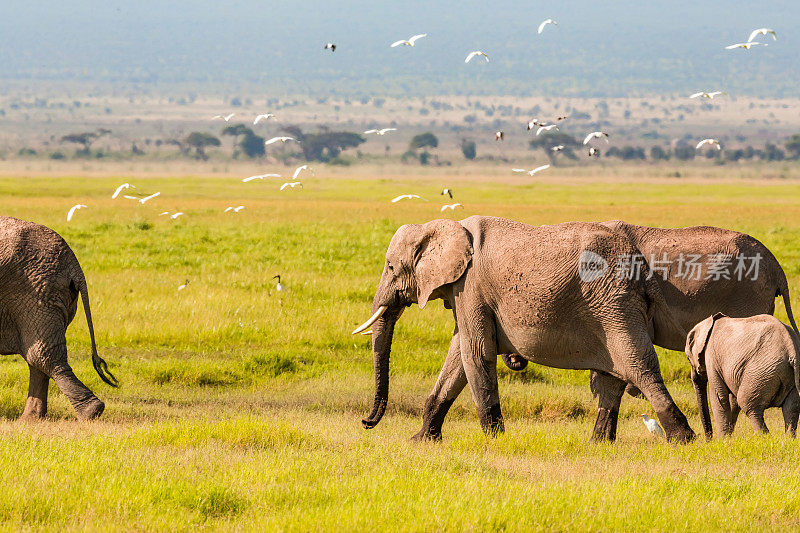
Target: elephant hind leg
point(36, 405)
point(645, 374)
point(609, 390)
point(52, 359)
point(791, 412)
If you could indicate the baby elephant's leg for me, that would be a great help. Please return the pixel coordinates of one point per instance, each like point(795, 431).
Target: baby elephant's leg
point(719, 398)
point(756, 416)
point(734, 410)
point(791, 412)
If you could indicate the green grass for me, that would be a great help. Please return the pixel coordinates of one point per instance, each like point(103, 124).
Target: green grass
point(240, 407)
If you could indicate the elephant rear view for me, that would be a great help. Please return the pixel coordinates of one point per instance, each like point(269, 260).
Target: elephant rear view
point(750, 364)
point(40, 281)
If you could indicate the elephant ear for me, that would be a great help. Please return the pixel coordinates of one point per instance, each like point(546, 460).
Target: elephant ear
point(697, 340)
point(442, 255)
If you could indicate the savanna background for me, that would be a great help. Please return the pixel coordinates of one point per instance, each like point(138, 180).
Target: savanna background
point(240, 406)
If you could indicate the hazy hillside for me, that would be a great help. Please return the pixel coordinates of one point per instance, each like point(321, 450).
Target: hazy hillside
point(625, 48)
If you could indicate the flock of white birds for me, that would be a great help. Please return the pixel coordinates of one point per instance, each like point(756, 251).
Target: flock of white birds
point(542, 127)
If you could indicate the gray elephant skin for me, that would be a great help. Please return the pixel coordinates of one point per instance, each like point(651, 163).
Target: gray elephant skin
point(690, 300)
point(515, 288)
point(751, 365)
point(40, 281)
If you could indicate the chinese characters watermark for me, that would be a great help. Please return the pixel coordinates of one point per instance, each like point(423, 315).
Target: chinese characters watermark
point(693, 267)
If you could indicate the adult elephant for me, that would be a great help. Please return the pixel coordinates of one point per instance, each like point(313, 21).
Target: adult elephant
point(546, 293)
point(701, 271)
point(40, 280)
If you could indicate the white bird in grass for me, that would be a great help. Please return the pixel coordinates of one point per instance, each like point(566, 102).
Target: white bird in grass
point(173, 216)
point(226, 118)
point(557, 148)
point(594, 152)
point(451, 207)
point(652, 425)
point(476, 53)
point(746, 46)
point(260, 177)
point(546, 128)
point(499, 135)
point(410, 41)
point(121, 188)
point(73, 209)
point(265, 116)
point(710, 95)
point(233, 209)
point(292, 185)
point(279, 287)
point(278, 139)
point(380, 132)
point(533, 171)
point(710, 142)
point(301, 168)
point(596, 135)
point(407, 197)
point(545, 23)
point(762, 31)
point(448, 192)
point(181, 287)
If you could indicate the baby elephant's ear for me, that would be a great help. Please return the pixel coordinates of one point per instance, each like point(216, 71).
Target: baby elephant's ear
point(444, 250)
point(697, 341)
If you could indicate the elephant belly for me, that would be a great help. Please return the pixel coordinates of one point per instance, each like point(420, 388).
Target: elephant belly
point(554, 347)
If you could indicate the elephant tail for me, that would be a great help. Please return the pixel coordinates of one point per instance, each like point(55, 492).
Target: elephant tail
point(783, 290)
point(98, 362)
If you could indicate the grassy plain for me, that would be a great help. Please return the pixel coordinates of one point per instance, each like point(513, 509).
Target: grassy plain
point(240, 407)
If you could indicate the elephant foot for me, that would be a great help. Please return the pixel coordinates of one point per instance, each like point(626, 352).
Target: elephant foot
point(675, 425)
point(514, 361)
point(425, 435)
point(432, 419)
point(90, 409)
point(605, 428)
point(35, 409)
point(492, 421)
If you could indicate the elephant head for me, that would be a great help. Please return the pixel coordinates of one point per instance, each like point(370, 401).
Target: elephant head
point(420, 262)
point(696, 343)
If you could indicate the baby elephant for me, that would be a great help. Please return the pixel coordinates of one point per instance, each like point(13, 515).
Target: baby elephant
point(751, 364)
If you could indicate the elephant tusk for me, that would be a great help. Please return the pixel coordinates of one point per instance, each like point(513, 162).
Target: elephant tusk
point(382, 309)
point(368, 332)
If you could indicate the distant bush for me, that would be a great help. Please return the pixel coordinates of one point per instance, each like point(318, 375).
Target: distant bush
point(469, 149)
point(26, 152)
point(57, 155)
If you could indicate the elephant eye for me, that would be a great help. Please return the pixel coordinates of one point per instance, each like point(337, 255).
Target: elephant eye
point(390, 267)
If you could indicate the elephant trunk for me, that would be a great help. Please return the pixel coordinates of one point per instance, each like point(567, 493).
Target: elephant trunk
point(382, 331)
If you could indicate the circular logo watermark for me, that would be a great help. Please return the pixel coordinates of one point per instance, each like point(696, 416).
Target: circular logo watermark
point(591, 266)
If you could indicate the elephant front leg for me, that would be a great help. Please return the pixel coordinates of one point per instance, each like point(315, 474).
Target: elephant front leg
point(36, 405)
point(479, 357)
point(609, 390)
point(449, 385)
